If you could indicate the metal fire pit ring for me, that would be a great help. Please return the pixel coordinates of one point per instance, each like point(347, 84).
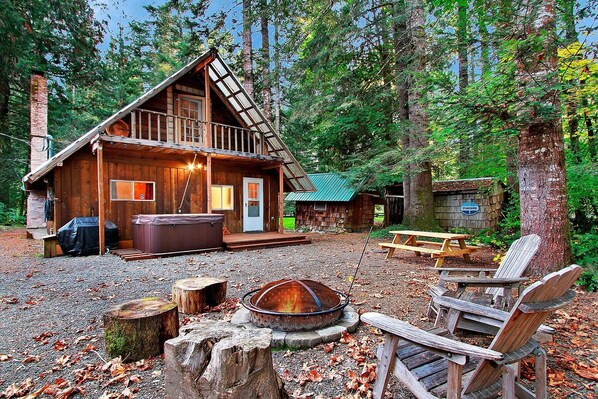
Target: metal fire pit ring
point(299, 321)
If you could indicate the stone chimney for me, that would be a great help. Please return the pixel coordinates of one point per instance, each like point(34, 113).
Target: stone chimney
point(39, 153)
point(39, 119)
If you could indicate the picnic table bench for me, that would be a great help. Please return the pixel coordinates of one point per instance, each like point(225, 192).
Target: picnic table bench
point(439, 251)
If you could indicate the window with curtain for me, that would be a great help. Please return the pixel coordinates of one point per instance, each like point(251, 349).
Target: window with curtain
point(222, 197)
point(131, 190)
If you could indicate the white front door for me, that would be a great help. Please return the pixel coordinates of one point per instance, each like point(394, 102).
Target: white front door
point(253, 204)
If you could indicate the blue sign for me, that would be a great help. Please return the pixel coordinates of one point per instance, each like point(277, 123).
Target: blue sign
point(470, 208)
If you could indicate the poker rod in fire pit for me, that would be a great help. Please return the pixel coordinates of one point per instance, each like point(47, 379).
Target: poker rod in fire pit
point(359, 263)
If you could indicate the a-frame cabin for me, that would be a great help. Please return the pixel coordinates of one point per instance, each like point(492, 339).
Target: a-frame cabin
point(195, 143)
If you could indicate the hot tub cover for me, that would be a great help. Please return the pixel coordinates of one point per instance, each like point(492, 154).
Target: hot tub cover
point(80, 236)
point(182, 218)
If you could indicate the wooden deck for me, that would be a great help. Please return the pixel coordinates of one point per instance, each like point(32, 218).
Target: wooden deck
point(231, 242)
point(242, 241)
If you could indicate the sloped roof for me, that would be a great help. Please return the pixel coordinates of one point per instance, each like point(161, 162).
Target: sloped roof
point(330, 187)
point(463, 184)
point(233, 91)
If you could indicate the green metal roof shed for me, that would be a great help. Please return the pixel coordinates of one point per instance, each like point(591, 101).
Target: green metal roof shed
point(330, 187)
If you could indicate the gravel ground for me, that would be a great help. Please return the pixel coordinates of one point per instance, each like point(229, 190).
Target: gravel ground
point(50, 313)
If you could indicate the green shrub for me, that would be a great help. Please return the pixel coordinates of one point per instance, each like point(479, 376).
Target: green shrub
point(585, 254)
point(10, 216)
point(384, 233)
point(589, 278)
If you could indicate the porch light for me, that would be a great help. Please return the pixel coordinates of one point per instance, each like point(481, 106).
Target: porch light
point(193, 166)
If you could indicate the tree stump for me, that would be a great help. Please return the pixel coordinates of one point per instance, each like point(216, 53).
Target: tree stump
point(193, 295)
point(138, 329)
point(219, 360)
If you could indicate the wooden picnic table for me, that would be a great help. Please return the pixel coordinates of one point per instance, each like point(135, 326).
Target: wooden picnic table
point(439, 250)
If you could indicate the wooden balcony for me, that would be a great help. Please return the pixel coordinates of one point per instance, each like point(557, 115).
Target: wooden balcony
point(161, 127)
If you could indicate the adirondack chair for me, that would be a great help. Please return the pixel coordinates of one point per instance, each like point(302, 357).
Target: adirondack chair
point(434, 366)
point(499, 287)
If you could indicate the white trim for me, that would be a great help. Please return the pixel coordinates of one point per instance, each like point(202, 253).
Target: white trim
point(221, 186)
point(255, 223)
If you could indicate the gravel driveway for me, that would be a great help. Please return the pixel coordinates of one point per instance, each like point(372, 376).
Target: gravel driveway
point(51, 310)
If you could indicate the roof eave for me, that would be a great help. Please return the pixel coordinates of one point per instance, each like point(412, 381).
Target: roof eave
point(76, 145)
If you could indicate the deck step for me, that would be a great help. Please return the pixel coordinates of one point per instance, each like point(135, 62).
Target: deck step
point(130, 254)
point(261, 239)
point(241, 246)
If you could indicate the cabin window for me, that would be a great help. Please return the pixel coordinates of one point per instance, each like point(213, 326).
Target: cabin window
point(222, 198)
point(130, 190)
point(319, 206)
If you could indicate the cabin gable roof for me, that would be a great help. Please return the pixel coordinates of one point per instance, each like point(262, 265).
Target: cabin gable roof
point(223, 80)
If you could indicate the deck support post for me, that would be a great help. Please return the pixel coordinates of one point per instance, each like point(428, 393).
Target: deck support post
point(208, 108)
point(100, 160)
point(280, 200)
point(209, 182)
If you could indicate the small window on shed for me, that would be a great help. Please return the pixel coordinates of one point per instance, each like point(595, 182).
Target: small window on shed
point(319, 206)
point(128, 190)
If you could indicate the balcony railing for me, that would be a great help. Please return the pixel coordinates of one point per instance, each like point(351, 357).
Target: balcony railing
point(158, 126)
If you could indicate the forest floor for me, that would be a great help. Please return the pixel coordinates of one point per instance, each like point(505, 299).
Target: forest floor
point(51, 338)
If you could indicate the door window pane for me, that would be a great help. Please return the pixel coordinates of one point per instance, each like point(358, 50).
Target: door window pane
point(252, 190)
point(253, 209)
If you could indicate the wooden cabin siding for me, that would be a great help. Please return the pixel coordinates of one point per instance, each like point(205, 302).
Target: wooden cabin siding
point(76, 189)
point(355, 215)
point(363, 214)
point(338, 216)
point(232, 173)
point(449, 215)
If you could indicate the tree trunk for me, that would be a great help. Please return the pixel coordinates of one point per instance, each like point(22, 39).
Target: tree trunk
point(590, 129)
point(511, 165)
point(266, 81)
point(138, 329)
point(247, 49)
point(420, 213)
point(194, 295)
point(542, 177)
point(462, 47)
point(402, 55)
point(481, 8)
point(5, 143)
point(219, 360)
point(571, 105)
point(277, 71)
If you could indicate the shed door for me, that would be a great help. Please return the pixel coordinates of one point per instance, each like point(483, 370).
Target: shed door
point(253, 204)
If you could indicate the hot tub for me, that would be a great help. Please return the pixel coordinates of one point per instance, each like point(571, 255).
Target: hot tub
point(178, 233)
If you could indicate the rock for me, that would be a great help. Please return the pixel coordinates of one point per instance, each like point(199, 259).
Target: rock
point(302, 339)
point(349, 320)
point(217, 360)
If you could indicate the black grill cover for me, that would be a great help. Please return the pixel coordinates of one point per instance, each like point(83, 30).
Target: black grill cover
point(80, 236)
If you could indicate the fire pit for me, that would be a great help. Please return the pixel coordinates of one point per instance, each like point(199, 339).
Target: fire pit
point(294, 305)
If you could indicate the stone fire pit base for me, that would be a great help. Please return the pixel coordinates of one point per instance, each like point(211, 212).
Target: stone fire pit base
point(305, 339)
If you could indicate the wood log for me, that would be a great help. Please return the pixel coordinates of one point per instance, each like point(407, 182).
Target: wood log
point(219, 360)
point(138, 329)
point(194, 295)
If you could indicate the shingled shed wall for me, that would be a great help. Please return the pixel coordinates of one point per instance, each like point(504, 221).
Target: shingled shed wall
point(450, 195)
point(354, 215)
